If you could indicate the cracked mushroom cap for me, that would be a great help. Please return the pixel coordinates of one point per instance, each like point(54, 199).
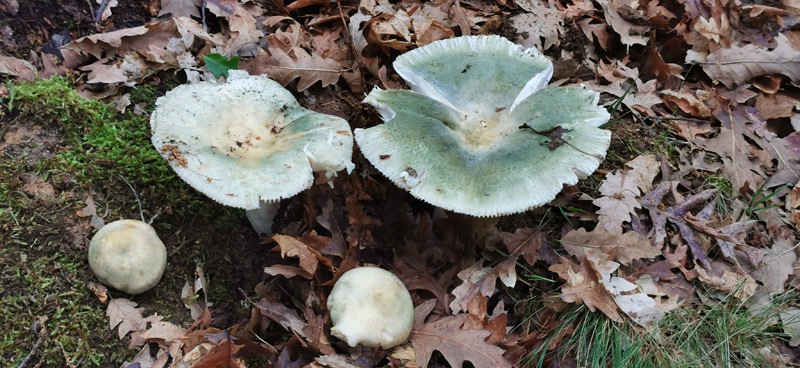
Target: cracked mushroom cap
point(128, 256)
point(478, 133)
point(247, 140)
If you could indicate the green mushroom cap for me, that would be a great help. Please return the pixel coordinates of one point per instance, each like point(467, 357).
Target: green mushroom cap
point(478, 133)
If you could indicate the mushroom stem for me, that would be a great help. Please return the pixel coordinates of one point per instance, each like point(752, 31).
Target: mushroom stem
point(473, 229)
point(261, 217)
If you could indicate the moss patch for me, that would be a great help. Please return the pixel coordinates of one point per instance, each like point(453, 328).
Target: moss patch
point(58, 149)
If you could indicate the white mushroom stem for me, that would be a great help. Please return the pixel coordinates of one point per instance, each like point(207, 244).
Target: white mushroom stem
point(261, 217)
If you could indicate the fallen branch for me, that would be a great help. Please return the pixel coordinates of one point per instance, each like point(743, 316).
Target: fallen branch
point(40, 329)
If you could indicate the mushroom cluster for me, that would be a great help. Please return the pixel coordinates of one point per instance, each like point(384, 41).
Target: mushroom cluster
point(247, 143)
point(478, 133)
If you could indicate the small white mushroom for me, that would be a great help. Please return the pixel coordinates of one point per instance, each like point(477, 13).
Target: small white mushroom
point(128, 256)
point(371, 307)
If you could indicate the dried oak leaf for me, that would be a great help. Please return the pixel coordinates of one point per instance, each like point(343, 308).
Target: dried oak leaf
point(740, 63)
point(628, 22)
point(659, 216)
point(160, 332)
point(540, 25)
point(308, 256)
point(742, 161)
point(479, 280)
point(584, 286)
point(288, 318)
point(16, 68)
point(286, 66)
point(621, 190)
point(180, 8)
point(524, 242)
point(624, 247)
point(122, 313)
point(454, 343)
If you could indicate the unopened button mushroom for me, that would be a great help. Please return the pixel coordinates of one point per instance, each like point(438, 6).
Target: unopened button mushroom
point(371, 307)
point(128, 256)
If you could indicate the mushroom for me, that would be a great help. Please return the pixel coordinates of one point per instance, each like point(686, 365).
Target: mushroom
point(247, 143)
point(371, 307)
point(128, 256)
point(478, 133)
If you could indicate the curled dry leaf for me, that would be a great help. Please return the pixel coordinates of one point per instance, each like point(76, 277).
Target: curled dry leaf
point(308, 256)
point(91, 210)
point(288, 318)
point(16, 68)
point(626, 21)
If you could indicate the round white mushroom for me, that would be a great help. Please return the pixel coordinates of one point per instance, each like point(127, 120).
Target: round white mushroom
point(370, 306)
point(247, 143)
point(128, 256)
point(478, 133)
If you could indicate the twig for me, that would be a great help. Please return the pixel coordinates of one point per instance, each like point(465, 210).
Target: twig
point(99, 13)
point(40, 329)
point(203, 15)
point(668, 118)
point(136, 195)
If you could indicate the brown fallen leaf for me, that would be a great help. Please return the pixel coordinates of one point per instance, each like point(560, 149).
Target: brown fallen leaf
point(676, 215)
point(739, 63)
point(123, 314)
point(524, 242)
point(621, 191)
point(288, 318)
point(624, 247)
point(181, 8)
point(540, 25)
point(91, 210)
point(584, 286)
point(160, 332)
point(297, 63)
point(145, 358)
point(17, 68)
point(628, 22)
point(289, 246)
point(479, 280)
point(454, 343)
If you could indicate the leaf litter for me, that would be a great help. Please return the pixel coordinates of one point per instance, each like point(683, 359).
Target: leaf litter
point(652, 229)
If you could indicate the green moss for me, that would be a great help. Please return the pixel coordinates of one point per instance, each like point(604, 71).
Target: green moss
point(48, 285)
point(77, 147)
point(54, 103)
